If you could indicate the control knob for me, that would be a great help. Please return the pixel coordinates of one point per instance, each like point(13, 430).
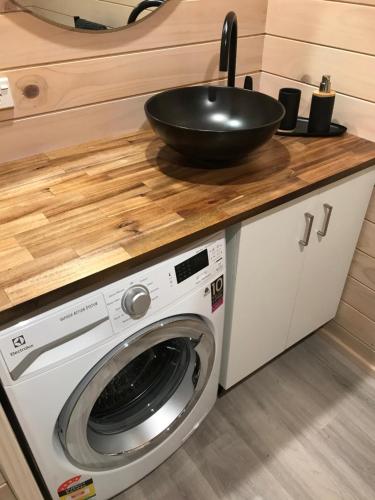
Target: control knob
point(136, 301)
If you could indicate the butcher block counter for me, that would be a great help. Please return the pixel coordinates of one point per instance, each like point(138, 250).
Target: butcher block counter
point(71, 217)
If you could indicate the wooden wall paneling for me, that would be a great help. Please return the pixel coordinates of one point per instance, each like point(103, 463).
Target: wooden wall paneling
point(356, 323)
point(366, 241)
point(348, 343)
point(360, 297)
point(8, 6)
point(363, 269)
point(77, 125)
point(6, 493)
point(14, 465)
point(352, 73)
point(370, 216)
point(64, 128)
point(30, 41)
point(357, 310)
point(356, 114)
point(91, 75)
point(78, 83)
point(336, 24)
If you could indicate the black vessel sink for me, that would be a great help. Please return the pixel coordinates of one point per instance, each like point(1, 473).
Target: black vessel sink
point(214, 123)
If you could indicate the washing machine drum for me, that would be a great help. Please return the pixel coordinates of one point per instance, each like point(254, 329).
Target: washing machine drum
point(137, 394)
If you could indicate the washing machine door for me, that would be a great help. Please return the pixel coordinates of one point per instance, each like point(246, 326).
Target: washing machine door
point(137, 394)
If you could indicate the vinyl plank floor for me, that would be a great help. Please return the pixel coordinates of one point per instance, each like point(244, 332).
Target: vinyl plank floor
point(301, 428)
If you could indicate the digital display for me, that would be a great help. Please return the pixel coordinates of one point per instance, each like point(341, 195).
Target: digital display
point(191, 266)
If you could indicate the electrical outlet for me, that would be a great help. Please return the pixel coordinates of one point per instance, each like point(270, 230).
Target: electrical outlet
point(6, 98)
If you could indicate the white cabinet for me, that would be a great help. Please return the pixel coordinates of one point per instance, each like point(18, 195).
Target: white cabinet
point(266, 263)
point(339, 212)
point(280, 290)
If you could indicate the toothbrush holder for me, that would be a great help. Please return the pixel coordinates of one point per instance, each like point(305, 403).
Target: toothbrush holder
point(290, 98)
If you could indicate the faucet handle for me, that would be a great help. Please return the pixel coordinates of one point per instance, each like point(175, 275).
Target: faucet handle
point(248, 85)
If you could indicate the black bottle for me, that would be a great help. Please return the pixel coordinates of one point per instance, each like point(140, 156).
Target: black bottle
point(321, 110)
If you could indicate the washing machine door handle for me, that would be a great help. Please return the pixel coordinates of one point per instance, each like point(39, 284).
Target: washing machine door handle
point(98, 441)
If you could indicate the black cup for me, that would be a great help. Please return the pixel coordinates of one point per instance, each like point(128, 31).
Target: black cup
point(290, 98)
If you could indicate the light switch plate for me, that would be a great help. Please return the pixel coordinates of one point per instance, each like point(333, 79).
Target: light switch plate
point(6, 98)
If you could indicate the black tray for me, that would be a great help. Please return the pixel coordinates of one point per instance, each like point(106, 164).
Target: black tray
point(301, 130)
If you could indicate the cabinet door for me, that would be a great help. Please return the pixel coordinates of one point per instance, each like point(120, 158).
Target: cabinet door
point(329, 254)
point(266, 263)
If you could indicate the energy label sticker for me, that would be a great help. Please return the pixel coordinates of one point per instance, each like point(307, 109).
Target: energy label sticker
point(217, 293)
point(75, 489)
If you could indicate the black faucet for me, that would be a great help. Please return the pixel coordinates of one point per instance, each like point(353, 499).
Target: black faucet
point(228, 51)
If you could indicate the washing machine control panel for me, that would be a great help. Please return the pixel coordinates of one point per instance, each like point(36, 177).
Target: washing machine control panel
point(148, 291)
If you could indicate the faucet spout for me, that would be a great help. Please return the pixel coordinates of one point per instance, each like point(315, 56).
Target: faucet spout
point(228, 50)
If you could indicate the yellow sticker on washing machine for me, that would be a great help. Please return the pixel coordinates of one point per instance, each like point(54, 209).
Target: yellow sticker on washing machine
point(75, 489)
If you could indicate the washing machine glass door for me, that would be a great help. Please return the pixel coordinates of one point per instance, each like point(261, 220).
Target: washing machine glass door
point(138, 393)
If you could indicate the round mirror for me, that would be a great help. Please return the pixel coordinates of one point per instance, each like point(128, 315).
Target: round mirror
point(91, 15)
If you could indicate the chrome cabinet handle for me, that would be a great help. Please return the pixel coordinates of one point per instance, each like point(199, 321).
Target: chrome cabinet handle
point(309, 224)
point(328, 212)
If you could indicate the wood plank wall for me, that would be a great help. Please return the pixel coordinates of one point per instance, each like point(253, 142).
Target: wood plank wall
point(303, 41)
point(354, 324)
point(86, 86)
point(307, 39)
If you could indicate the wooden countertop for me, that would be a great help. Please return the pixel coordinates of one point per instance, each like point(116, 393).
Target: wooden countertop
point(68, 215)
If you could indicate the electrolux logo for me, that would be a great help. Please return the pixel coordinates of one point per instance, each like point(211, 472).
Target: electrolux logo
point(19, 341)
point(20, 344)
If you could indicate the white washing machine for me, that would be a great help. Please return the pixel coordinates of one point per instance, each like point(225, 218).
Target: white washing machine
point(107, 386)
